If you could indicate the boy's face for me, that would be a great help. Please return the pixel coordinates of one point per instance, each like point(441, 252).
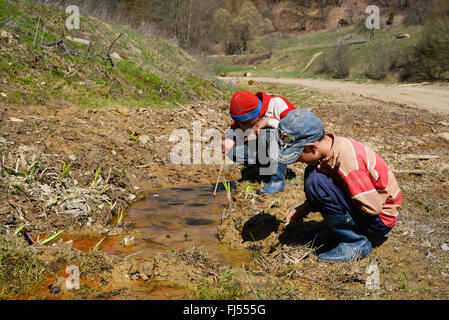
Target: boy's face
point(250, 123)
point(310, 155)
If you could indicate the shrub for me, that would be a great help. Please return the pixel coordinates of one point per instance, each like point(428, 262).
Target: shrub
point(428, 60)
point(381, 64)
point(336, 62)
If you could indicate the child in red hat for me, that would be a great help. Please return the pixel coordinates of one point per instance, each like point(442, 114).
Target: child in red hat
point(257, 111)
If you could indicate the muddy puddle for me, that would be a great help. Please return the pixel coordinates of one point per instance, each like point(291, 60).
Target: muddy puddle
point(170, 218)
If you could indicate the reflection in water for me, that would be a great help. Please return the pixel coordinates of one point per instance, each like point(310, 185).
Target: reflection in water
point(172, 218)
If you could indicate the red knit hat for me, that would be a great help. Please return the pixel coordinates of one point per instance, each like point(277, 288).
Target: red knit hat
point(242, 103)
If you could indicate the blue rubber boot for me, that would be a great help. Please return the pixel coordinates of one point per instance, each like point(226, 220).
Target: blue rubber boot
point(277, 182)
point(352, 246)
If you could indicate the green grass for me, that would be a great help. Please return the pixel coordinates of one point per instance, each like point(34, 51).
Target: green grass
point(227, 288)
point(20, 269)
point(153, 73)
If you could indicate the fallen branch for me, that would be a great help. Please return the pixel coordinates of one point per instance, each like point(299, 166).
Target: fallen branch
point(415, 172)
point(421, 156)
point(108, 53)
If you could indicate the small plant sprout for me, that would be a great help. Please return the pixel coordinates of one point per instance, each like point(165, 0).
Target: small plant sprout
point(112, 205)
point(55, 235)
point(106, 187)
point(98, 245)
point(96, 177)
point(18, 229)
point(65, 169)
point(121, 215)
point(248, 191)
point(134, 136)
point(227, 186)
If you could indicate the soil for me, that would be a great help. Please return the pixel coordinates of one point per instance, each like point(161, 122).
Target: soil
point(413, 262)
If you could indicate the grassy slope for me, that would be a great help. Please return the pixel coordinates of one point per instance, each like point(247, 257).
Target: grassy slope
point(292, 53)
point(32, 73)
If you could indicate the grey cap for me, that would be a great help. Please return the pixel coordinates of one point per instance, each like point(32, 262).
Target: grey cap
point(297, 129)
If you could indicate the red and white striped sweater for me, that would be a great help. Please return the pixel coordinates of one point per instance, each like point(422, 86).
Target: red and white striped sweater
point(366, 177)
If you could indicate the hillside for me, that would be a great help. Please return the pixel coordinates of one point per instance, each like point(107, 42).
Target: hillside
point(38, 63)
point(301, 54)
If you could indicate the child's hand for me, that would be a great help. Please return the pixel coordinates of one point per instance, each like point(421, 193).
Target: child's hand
point(262, 123)
point(227, 145)
point(296, 215)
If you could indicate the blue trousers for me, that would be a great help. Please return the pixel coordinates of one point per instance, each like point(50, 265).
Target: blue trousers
point(249, 157)
point(328, 198)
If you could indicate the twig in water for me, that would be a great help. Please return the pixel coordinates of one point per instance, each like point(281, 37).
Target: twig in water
point(218, 178)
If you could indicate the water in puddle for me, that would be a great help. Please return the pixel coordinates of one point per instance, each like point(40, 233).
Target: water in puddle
point(173, 218)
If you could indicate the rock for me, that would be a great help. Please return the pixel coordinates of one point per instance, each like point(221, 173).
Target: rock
point(15, 119)
point(132, 197)
point(128, 241)
point(73, 157)
point(46, 188)
point(116, 56)
point(68, 244)
point(426, 244)
point(143, 139)
point(426, 229)
point(5, 35)
point(78, 40)
point(114, 153)
point(124, 111)
point(445, 247)
point(444, 135)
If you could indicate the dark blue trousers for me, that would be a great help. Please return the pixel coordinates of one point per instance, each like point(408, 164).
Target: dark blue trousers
point(328, 198)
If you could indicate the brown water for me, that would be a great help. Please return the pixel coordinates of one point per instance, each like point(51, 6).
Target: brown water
point(171, 218)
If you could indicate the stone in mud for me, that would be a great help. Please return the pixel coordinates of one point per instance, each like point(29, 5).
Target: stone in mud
point(145, 270)
point(143, 139)
point(123, 111)
point(128, 241)
point(444, 135)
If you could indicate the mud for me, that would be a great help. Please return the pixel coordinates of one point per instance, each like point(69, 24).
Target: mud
point(264, 260)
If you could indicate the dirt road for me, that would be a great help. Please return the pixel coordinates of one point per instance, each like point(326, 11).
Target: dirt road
point(429, 97)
